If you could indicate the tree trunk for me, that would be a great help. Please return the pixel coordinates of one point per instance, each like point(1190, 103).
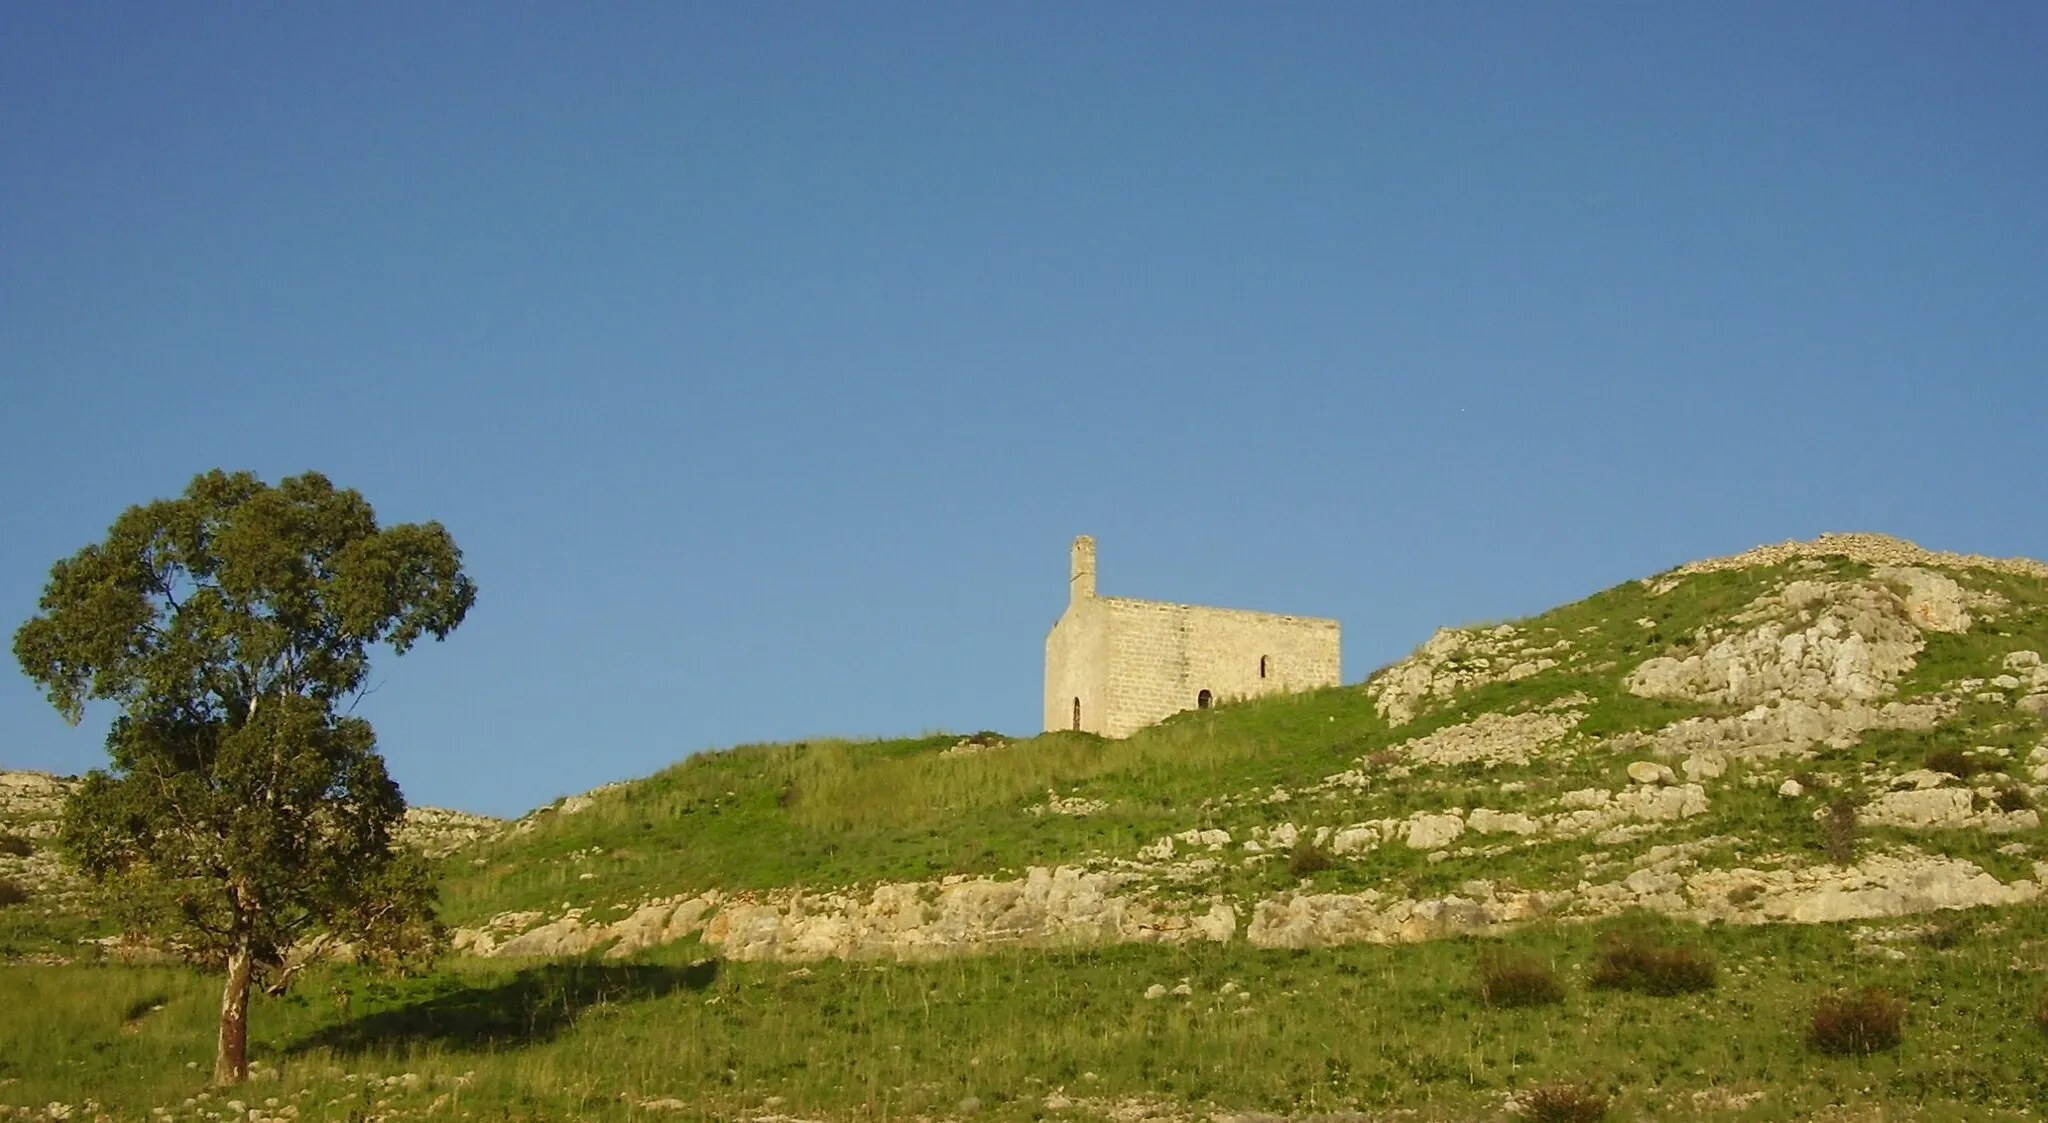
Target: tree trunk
point(231, 1058)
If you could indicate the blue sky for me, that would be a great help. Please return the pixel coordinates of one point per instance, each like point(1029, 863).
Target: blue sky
point(763, 358)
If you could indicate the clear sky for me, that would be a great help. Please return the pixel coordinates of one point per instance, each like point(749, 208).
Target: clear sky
point(763, 358)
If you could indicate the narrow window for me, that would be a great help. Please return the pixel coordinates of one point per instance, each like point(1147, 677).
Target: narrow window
point(1264, 660)
point(1203, 700)
point(1077, 715)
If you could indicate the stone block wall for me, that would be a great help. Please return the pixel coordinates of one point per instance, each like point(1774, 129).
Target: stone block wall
point(1122, 664)
point(1162, 656)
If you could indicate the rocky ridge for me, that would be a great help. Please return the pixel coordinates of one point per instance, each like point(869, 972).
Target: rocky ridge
point(1814, 662)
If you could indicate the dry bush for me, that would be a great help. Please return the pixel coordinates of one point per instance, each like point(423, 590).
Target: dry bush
point(1512, 979)
point(1563, 1103)
point(16, 845)
point(1953, 761)
point(1638, 962)
point(1838, 830)
point(11, 893)
point(1948, 931)
point(2012, 797)
point(1306, 858)
point(1868, 1021)
point(2041, 1013)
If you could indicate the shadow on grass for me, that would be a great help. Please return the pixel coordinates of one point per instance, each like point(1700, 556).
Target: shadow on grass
point(531, 1007)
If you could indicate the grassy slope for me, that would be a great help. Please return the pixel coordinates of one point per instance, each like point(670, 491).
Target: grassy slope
point(835, 813)
point(1367, 1027)
point(1355, 1026)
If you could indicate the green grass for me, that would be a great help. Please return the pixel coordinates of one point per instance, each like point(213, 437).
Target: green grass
point(1349, 1028)
point(849, 813)
point(1356, 1028)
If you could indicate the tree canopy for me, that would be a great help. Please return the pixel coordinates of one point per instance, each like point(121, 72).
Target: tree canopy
point(245, 815)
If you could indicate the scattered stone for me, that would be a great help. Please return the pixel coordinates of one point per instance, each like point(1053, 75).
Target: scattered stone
point(1650, 772)
point(1791, 789)
point(1431, 832)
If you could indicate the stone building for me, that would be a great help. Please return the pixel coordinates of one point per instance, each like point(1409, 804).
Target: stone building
point(1114, 665)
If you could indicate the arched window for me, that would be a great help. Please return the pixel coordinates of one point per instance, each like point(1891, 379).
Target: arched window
point(1265, 663)
point(1204, 700)
point(1077, 715)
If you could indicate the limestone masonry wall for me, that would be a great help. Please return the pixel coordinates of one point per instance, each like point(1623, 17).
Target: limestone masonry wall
point(1114, 665)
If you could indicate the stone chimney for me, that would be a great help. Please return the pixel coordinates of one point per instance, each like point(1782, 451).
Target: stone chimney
point(1081, 576)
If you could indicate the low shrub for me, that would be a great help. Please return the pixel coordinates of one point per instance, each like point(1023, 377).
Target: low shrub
point(1635, 961)
point(1512, 979)
point(1306, 858)
point(1868, 1021)
point(16, 845)
point(1838, 830)
point(1947, 931)
point(1563, 1103)
point(1953, 761)
point(2012, 797)
point(11, 893)
point(2041, 1013)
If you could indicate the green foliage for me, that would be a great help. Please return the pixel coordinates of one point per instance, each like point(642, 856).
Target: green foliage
point(1865, 1021)
point(242, 812)
point(1564, 1103)
point(1509, 978)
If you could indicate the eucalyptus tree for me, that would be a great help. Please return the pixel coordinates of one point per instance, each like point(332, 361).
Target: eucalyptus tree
point(247, 816)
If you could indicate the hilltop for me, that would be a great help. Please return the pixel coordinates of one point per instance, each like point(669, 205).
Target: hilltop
point(1841, 729)
point(1756, 783)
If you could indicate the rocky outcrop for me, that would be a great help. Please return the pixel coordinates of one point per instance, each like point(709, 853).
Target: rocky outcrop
point(1459, 659)
point(1944, 809)
point(1871, 549)
point(1046, 908)
point(438, 831)
point(1790, 726)
point(30, 802)
point(1857, 642)
point(1313, 920)
point(1491, 739)
point(1882, 885)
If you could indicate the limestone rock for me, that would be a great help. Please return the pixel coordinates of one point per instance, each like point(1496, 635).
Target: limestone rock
point(1791, 725)
point(1871, 549)
point(1331, 919)
point(1933, 600)
point(1890, 886)
point(1488, 821)
point(1709, 765)
point(1791, 789)
point(1455, 660)
point(1492, 739)
point(1650, 772)
point(1663, 804)
point(567, 936)
point(1930, 807)
point(1861, 642)
point(1432, 832)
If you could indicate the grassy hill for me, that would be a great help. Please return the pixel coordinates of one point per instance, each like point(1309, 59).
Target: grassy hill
point(1753, 782)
